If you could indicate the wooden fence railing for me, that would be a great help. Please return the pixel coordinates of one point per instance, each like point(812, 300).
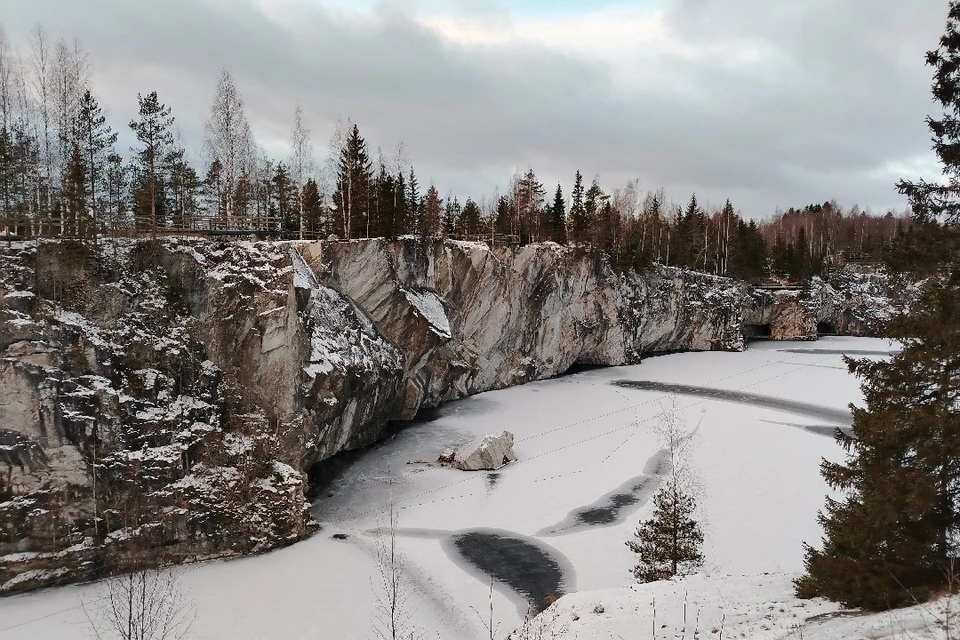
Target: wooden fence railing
point(214, 226)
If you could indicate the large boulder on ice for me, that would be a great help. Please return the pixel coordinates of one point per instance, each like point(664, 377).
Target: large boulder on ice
point(488, 452)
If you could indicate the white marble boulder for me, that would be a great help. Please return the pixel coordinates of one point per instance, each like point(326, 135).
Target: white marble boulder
point(488, 452)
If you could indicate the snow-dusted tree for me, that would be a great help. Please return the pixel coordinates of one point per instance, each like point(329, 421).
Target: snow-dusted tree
point(301, 163)
point(143, 605)
point(229, 140)
point(670, 542)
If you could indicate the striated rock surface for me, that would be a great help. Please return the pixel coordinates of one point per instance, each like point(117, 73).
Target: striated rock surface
point(488, 452)
point(472, 319)
point(854, 301)
point(164, 401)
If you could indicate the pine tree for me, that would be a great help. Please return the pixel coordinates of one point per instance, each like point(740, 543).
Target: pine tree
point(669, 543)
point(153, 130)
point(184, 187)
point(117, 184)
point(95, 138)
point(892, 539)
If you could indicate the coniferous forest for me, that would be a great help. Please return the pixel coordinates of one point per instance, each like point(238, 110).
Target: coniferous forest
point(62, 174)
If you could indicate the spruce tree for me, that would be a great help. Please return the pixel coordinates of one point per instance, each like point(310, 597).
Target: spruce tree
point(469, 221)
point(593, 203)
point(311, 204)
point(892, 539)
point(414, 205)
point(73, 206)
point(558, 215)
point(579, 224)
point(354, 182)
point(670, 542)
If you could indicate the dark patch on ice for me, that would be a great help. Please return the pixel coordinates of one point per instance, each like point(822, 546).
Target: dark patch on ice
point(828, 431)
point(808, 364)
point(492, 479)
point(838, 416)
point(842, 352)
point(614, 507)
point(531, 569)
point(339, 536)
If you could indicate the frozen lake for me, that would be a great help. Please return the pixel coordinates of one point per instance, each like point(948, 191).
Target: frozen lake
point(555, 521)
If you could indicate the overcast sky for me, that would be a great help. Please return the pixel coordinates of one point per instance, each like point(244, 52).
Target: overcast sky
point(770, 103)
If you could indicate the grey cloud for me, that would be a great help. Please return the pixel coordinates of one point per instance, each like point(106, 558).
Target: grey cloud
point(840, 93)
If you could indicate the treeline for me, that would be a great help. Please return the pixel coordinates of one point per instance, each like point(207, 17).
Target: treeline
point(62, 175)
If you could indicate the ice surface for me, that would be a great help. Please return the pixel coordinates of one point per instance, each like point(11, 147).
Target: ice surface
point(579, 441)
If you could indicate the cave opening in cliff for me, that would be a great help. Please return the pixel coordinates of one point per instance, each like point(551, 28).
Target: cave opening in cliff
point(580, 367)
point(826, 329)
point(757, 331)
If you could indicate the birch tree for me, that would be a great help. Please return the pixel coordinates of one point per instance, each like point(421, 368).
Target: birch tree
point(40, 67)
point(70, 79)
point(301, 162)
point(228, 138)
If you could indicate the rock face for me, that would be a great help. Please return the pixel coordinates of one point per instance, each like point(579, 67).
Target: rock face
point(780, 315)
point(164, 401)
point(488, 452)
point(470, 319)
point(853, 302)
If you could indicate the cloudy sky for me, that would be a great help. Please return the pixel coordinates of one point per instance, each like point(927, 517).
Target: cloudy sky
point(769, 103)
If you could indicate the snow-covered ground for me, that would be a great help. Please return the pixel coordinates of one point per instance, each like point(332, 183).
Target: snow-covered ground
point(587, 462)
